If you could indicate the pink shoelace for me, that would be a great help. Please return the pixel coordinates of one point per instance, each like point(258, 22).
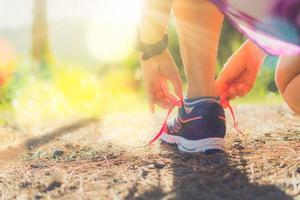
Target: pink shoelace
point(223, 101)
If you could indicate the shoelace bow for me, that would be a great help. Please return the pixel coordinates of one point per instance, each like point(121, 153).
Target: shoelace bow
point(223, 101)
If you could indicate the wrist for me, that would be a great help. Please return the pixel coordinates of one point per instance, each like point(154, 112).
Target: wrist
point(150, 50)
point(254, 52)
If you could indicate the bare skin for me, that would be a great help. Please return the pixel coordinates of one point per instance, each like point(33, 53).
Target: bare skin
point(288, 81)
point(239, 74)
point(161, 69)
point(157, 72)
point(199, 25)
point(240, 71)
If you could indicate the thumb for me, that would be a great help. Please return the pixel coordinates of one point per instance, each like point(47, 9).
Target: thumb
point(221, 86)
point(242, 89)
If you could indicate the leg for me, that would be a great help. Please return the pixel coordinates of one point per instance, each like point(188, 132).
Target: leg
point(199, 26)
point(200, 123)
point(288, 81)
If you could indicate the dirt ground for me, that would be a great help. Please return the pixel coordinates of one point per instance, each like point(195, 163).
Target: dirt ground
point(106, 159)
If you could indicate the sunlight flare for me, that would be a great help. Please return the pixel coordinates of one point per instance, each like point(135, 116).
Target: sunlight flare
point(111, 33)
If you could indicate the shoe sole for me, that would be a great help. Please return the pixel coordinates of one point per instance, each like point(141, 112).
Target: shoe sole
point(193, 146)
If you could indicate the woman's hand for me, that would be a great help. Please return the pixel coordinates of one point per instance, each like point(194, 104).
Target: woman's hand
point(157, 71)
point(240, 71)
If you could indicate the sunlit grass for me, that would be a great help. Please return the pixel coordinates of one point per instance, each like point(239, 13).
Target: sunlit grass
point(74, 92)
point(266, 99)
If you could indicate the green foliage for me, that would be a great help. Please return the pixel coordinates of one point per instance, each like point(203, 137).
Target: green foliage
point(230, 41)
point(59, 90)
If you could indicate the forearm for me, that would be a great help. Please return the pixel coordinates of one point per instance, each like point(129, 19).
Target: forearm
point(255, 53)
point(154, 20)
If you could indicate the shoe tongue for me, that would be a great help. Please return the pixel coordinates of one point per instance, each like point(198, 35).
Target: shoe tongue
point(193, 101)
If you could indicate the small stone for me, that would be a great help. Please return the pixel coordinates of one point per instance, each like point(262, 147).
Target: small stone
point(38, 196)
point(159, 165)
point(38, 165)
point(259, 141)
point(286, 138)
point(151, 166)
point(143, 173)
point(298, 170)
point(267, 134)
point(115, 180)
point(282, 165)
point(238, 146)
point(238, 140)
point(24, 185)
point(59, 175)
point(243, 162)
point(57, 153)
point(73, 187)
point(47, 173)
point(52, 186)
point(69, 145)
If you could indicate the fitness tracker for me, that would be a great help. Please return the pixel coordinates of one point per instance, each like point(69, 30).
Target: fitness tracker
point(151, 50)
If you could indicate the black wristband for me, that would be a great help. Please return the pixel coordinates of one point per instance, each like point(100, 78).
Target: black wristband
point(151, 50)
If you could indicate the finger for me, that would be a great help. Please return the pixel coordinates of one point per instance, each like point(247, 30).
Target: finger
point(163, 103)
point(177, 84)
point(166, 92)
point(241, 90)
point(232, 93)
point(224, 95)
point(160, 98)
point(222, 89)
point(150, 93)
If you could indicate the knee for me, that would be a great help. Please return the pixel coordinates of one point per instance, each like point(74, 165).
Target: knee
point(290, 92)
point(287, 69)
point(281, 79)
point(287, 79)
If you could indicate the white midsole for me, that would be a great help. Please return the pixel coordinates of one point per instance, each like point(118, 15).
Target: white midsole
point(186, 145)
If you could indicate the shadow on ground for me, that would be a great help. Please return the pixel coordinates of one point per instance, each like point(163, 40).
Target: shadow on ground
point(199, 176)
point(35, 142)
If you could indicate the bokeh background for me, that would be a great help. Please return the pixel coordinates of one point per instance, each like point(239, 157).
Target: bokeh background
point(75, 58)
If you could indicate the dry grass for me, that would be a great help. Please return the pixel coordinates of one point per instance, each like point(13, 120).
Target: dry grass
point(106, 159)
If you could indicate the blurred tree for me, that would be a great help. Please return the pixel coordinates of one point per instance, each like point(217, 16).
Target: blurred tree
point(40, 36)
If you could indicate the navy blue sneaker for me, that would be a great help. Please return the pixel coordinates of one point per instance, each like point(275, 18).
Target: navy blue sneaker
point(199, 126)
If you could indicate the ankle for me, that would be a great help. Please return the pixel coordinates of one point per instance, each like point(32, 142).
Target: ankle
point(194, 94)
point(201, 88)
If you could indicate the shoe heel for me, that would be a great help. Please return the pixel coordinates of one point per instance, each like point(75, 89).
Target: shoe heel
point(208, 145)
